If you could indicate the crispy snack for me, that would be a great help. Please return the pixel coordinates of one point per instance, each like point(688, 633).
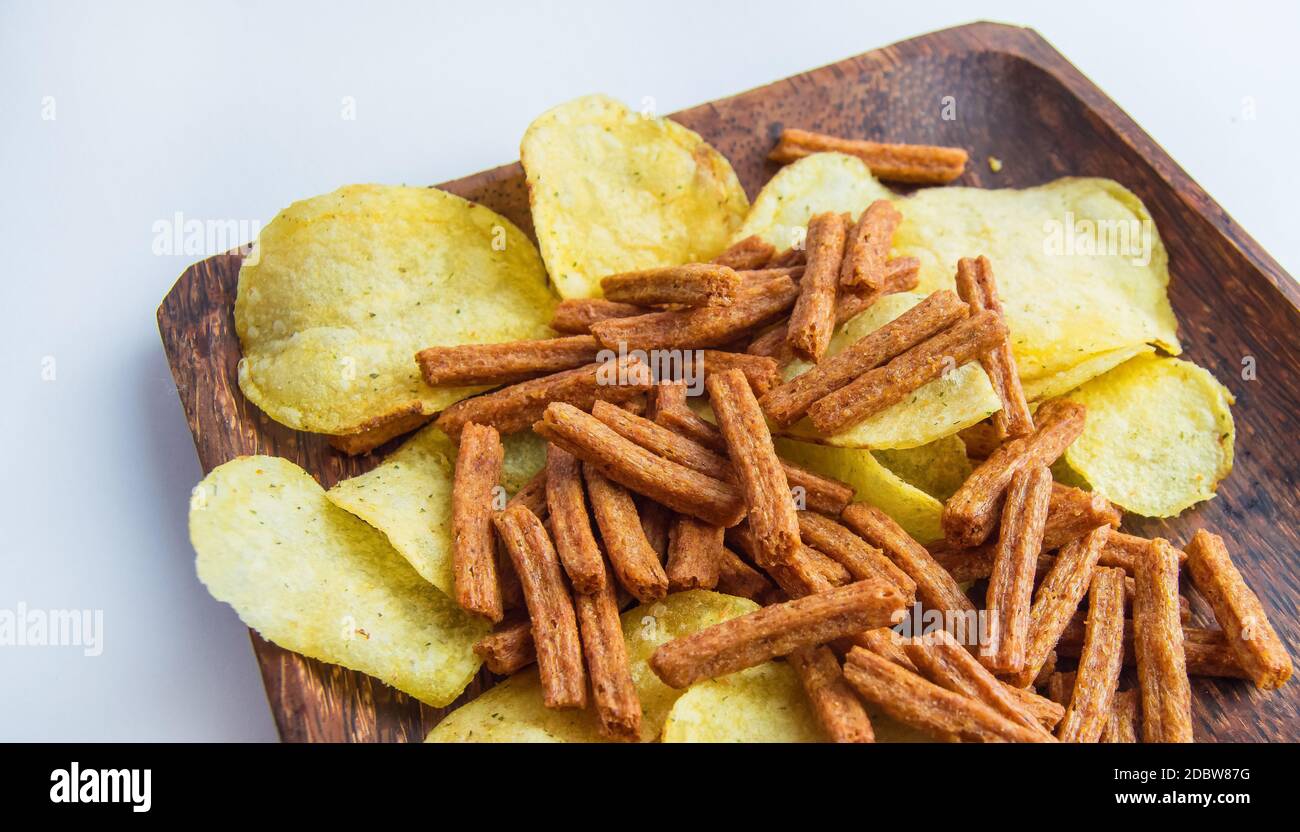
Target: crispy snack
point(918, 164)
point(807, 572)
point(515, 408)
point(576, 315)
point(1060, 687)
point(1015, 561)
point(970, 515)
point(1158, 647)
point(1206, 650)
point(877, 389)
point(915, 701)
point(861, 559)
point(679, 488)
point(761, 372)
point(532, 495)
point(1123, 723)
point(753, 252)
point(939, 658)
point(508, 648)
point(837, 707)
point(775, 631)
point(1073, 512)
point(1237, 609)
point(478, 469)
point(976, 286)
point(504, 363)
point(694, 549)
point(1048, 713)
point(1058, 597)
point(663, 442)
point(812, 322)
point(1123, 551)
point(694, 284)
point(762, 480)
point(756, 305)
point(867, 252)
point(579, 554)
point(656, 520)
point(763, 704)
point(617, 705)
point(934, 585)
point(787, 403)
point(786, 259)
point(735, 577)
point(550, 607)
point(355, 444)
point(1097, 678)
point(631, 555)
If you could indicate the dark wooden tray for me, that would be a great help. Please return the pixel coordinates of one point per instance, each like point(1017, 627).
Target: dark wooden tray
point(1017, 99)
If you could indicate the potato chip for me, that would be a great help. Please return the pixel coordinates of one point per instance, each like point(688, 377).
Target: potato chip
point(940, 408)
point(316, 580)
point(1079, 264)
point(913, 509)
point(1158, 438)
point(342, 290)
point(1058, 384)
point(816, 183)
point(765, 703)
point(617, 191)
point(408, 496)
point(938, 468)
point(512, 711)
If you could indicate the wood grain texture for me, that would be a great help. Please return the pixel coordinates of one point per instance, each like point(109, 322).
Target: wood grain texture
point(1017, 99)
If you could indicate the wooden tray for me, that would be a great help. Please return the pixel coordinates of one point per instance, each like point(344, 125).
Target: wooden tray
point(1017, 99)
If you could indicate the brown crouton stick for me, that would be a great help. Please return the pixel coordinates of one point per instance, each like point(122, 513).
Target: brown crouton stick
point(663, 442)
point(478, 469)
point(976, 286)
point(576, 315)
point(971, 514)
point(1122, 551)
point(761, 372)
point(753, 252)
point(532, 495)
point(735, 577)
point(806, 573)
point(618, 709)
point(656, 520)
point(776, 631)
point(877, 389)
point(693, 554)
point(1011, 584)
point(1206, 650)
point(790, 257)
point(1060, 687)
point(1249, 634)
point(508, 648)
point(860, 558)
point(550, 607)
point(574, 542)
point(631, 555)
point(836, 707)
point(868, 247)
point(365, 441)
point(918, 164)
point(695, 284)
point(1123, 723)
point(1097, 678)
point(1158, 646)
point(504, 363)
point(812, 322)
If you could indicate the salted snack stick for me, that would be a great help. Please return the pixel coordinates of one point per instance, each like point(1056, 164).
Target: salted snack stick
point(762, 480)
point(761, 372)
point(507, 649)
point(694, 284)
point(1060, 687)
point(550, 608)
point(478, 470)
point(1124, 550)
point(504, 363)
point(915, 701)
point(1073, 512)
point(787, 403)
point(807, 572)
point(694, 550)
point(570, 523)
point(790, 257)
point(868, 247)
point(618, 709)
point(1158, 646)
point(1249, 634)
point(532, 494)
point(515, 408)
point(836, 707)
point(663, 442)
point(753, 252)
point(1010, 592)
point(1206, 651)
point(776, 631)
point(860, 558)
point(631, 555)
point(936, 588)
point(971, 513)
point(576, 315)
point(812, 321)
point(1123, 723)
point(756, 305)
point(363, 442)
point(1097, 677)
point(735, 577)
point(877, 389)
point(656, 520)
point(918, 164)
point(677, 487)
point(976, 286)
point(1058, 597)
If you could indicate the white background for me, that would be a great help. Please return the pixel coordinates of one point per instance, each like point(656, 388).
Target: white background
point(227, 111)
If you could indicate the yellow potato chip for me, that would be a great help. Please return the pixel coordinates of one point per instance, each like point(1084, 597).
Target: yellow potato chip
point(408, 496)
point(765, 703)
point(938, 468)
point(1158, 438)
point(512, 711)
point(940, 408)
point(316, 580)
point(615, 191)
point(343, 289)
point(913, 509)
point(1058, 384)
point(813, 184)
point(1078, 262)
